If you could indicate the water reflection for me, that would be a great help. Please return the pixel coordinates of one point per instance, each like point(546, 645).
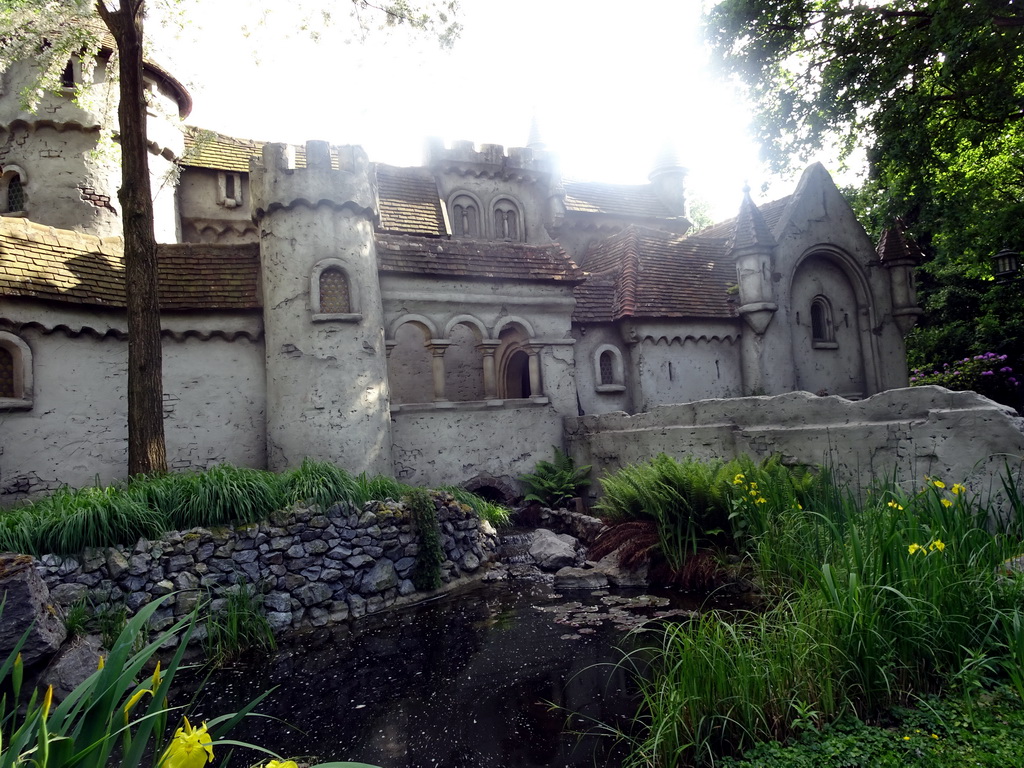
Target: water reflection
point(467, 681)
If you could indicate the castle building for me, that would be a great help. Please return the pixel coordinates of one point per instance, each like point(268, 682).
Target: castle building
point(437, 323)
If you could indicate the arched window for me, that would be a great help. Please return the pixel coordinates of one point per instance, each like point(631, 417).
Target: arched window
point(333, 297)
point(822, 329)
point(609, 373)
point(508, 221)
point(12, 191)
point(517, 375)
point(15, 373)
point(465, 216)
point(334, 293)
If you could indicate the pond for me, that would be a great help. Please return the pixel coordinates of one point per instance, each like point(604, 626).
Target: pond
point(502, 675)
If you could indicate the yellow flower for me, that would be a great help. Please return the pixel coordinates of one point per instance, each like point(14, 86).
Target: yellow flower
point(957, 489)
point(896, 506)
point(753, 485)
point(936, 545)
point(735, 481)
point(799, 505)
point(753, 493)
point(906, 738)
point(190, 748)
point(947, 503)
point(935, 735)
point(762, 500)
point(282, 764)
point(914, 548)
point(938, 484)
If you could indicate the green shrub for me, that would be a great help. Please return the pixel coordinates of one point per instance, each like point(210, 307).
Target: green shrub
point(426, 574)
point(553, 483)
point(223, 495)
point(987, 374)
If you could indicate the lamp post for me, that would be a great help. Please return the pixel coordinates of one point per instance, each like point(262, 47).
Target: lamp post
point(1005, 265)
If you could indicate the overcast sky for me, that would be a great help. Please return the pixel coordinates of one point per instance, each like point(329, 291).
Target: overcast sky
point(610, 83)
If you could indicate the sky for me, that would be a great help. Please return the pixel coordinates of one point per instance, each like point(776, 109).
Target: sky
point(611, 85)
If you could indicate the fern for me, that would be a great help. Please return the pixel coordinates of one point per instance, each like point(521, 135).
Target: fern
point(553, 483)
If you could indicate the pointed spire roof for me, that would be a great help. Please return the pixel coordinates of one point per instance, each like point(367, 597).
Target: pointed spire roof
point(752, 231)
point(536, 139)
point(895, 245)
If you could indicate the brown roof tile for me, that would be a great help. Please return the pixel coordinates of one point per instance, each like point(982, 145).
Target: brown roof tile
point(630, 200)
point(409, 202)
point(896, 245)
point(209, 149)
point(60, 265)
point(650, 274)
point(475, 259)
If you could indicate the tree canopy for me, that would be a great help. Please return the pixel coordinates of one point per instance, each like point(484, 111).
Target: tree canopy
point(933, 92)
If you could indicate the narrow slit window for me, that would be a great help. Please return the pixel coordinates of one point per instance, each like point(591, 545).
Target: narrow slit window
point(607, 368)
point(335, 297)
point(7, 388)
point(15, 194)
point(822, 327)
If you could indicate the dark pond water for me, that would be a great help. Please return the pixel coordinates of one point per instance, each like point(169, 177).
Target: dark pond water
point(500, 676)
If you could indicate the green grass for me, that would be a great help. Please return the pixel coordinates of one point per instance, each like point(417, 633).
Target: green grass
point(71, 520)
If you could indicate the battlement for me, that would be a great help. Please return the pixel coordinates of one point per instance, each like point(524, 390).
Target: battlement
point(489, 158)
point(335, 176)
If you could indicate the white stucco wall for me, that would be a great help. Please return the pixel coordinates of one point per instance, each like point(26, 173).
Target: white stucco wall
point(76, 429)
point(451, 446)
point(594, 397)
point(906, 433)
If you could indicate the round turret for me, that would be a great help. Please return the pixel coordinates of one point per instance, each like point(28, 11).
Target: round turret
point(58, 164)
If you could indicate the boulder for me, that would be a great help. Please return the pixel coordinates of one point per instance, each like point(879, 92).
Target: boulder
point(551, 552)
point(27, 604)
point(72, 664)
point(580, 578)
point(618, 576)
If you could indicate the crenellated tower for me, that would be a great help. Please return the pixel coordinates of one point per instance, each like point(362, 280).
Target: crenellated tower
point(327, 389)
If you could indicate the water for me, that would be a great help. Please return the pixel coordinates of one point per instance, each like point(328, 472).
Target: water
point(499, 676)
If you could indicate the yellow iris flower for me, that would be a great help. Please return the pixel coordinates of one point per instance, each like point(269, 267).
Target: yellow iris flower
point(914, 548)
point(957, 489)
point(282, 764)
point(947, 503)
point(936, 545)
point(190, 748)
point(895, 506)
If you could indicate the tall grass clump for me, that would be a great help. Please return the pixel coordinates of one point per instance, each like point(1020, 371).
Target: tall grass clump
point(323, 483)
point(494, 513)
point(238, 628)
point(890, 598)
point(69, 520)
point(222, 495)
point(379, 488)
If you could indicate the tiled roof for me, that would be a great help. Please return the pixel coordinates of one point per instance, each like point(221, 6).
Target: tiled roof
point(650, 274)
point(475, 259)
point(208, 276)
point(771, 212)
point(207, 149)
point(60, 265)
point(409, 201)
point(635, 201)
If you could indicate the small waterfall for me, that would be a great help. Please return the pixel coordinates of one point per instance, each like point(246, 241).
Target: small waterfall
point(514, 548)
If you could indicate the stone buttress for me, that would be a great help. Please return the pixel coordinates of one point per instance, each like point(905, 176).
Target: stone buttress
point(327, 390)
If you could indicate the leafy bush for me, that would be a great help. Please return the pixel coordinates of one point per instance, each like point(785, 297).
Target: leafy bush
point(553, 483)
point(895, 597)
point(988, 374)
point(495, 514)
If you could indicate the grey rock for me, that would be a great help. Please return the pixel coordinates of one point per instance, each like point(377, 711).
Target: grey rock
point(67, 593)
point(279, 620)
point(406, 587)
point(356, 606)
point(117, 563)
point(470, 562)
point(550, 552)
point(245, 556)
point(580, 578)
point(72, 665)
point(313, 594)
point(380, 578)
point(358, 561)
point(277, 601)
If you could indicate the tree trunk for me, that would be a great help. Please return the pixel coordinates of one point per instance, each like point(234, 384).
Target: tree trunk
point(147, 452)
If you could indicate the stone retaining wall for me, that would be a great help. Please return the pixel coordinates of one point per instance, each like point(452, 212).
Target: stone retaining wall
point(901, 433)
point(313, 567)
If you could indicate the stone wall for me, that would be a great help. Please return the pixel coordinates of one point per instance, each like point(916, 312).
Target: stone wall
point(312, 567)
point(903, 434)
